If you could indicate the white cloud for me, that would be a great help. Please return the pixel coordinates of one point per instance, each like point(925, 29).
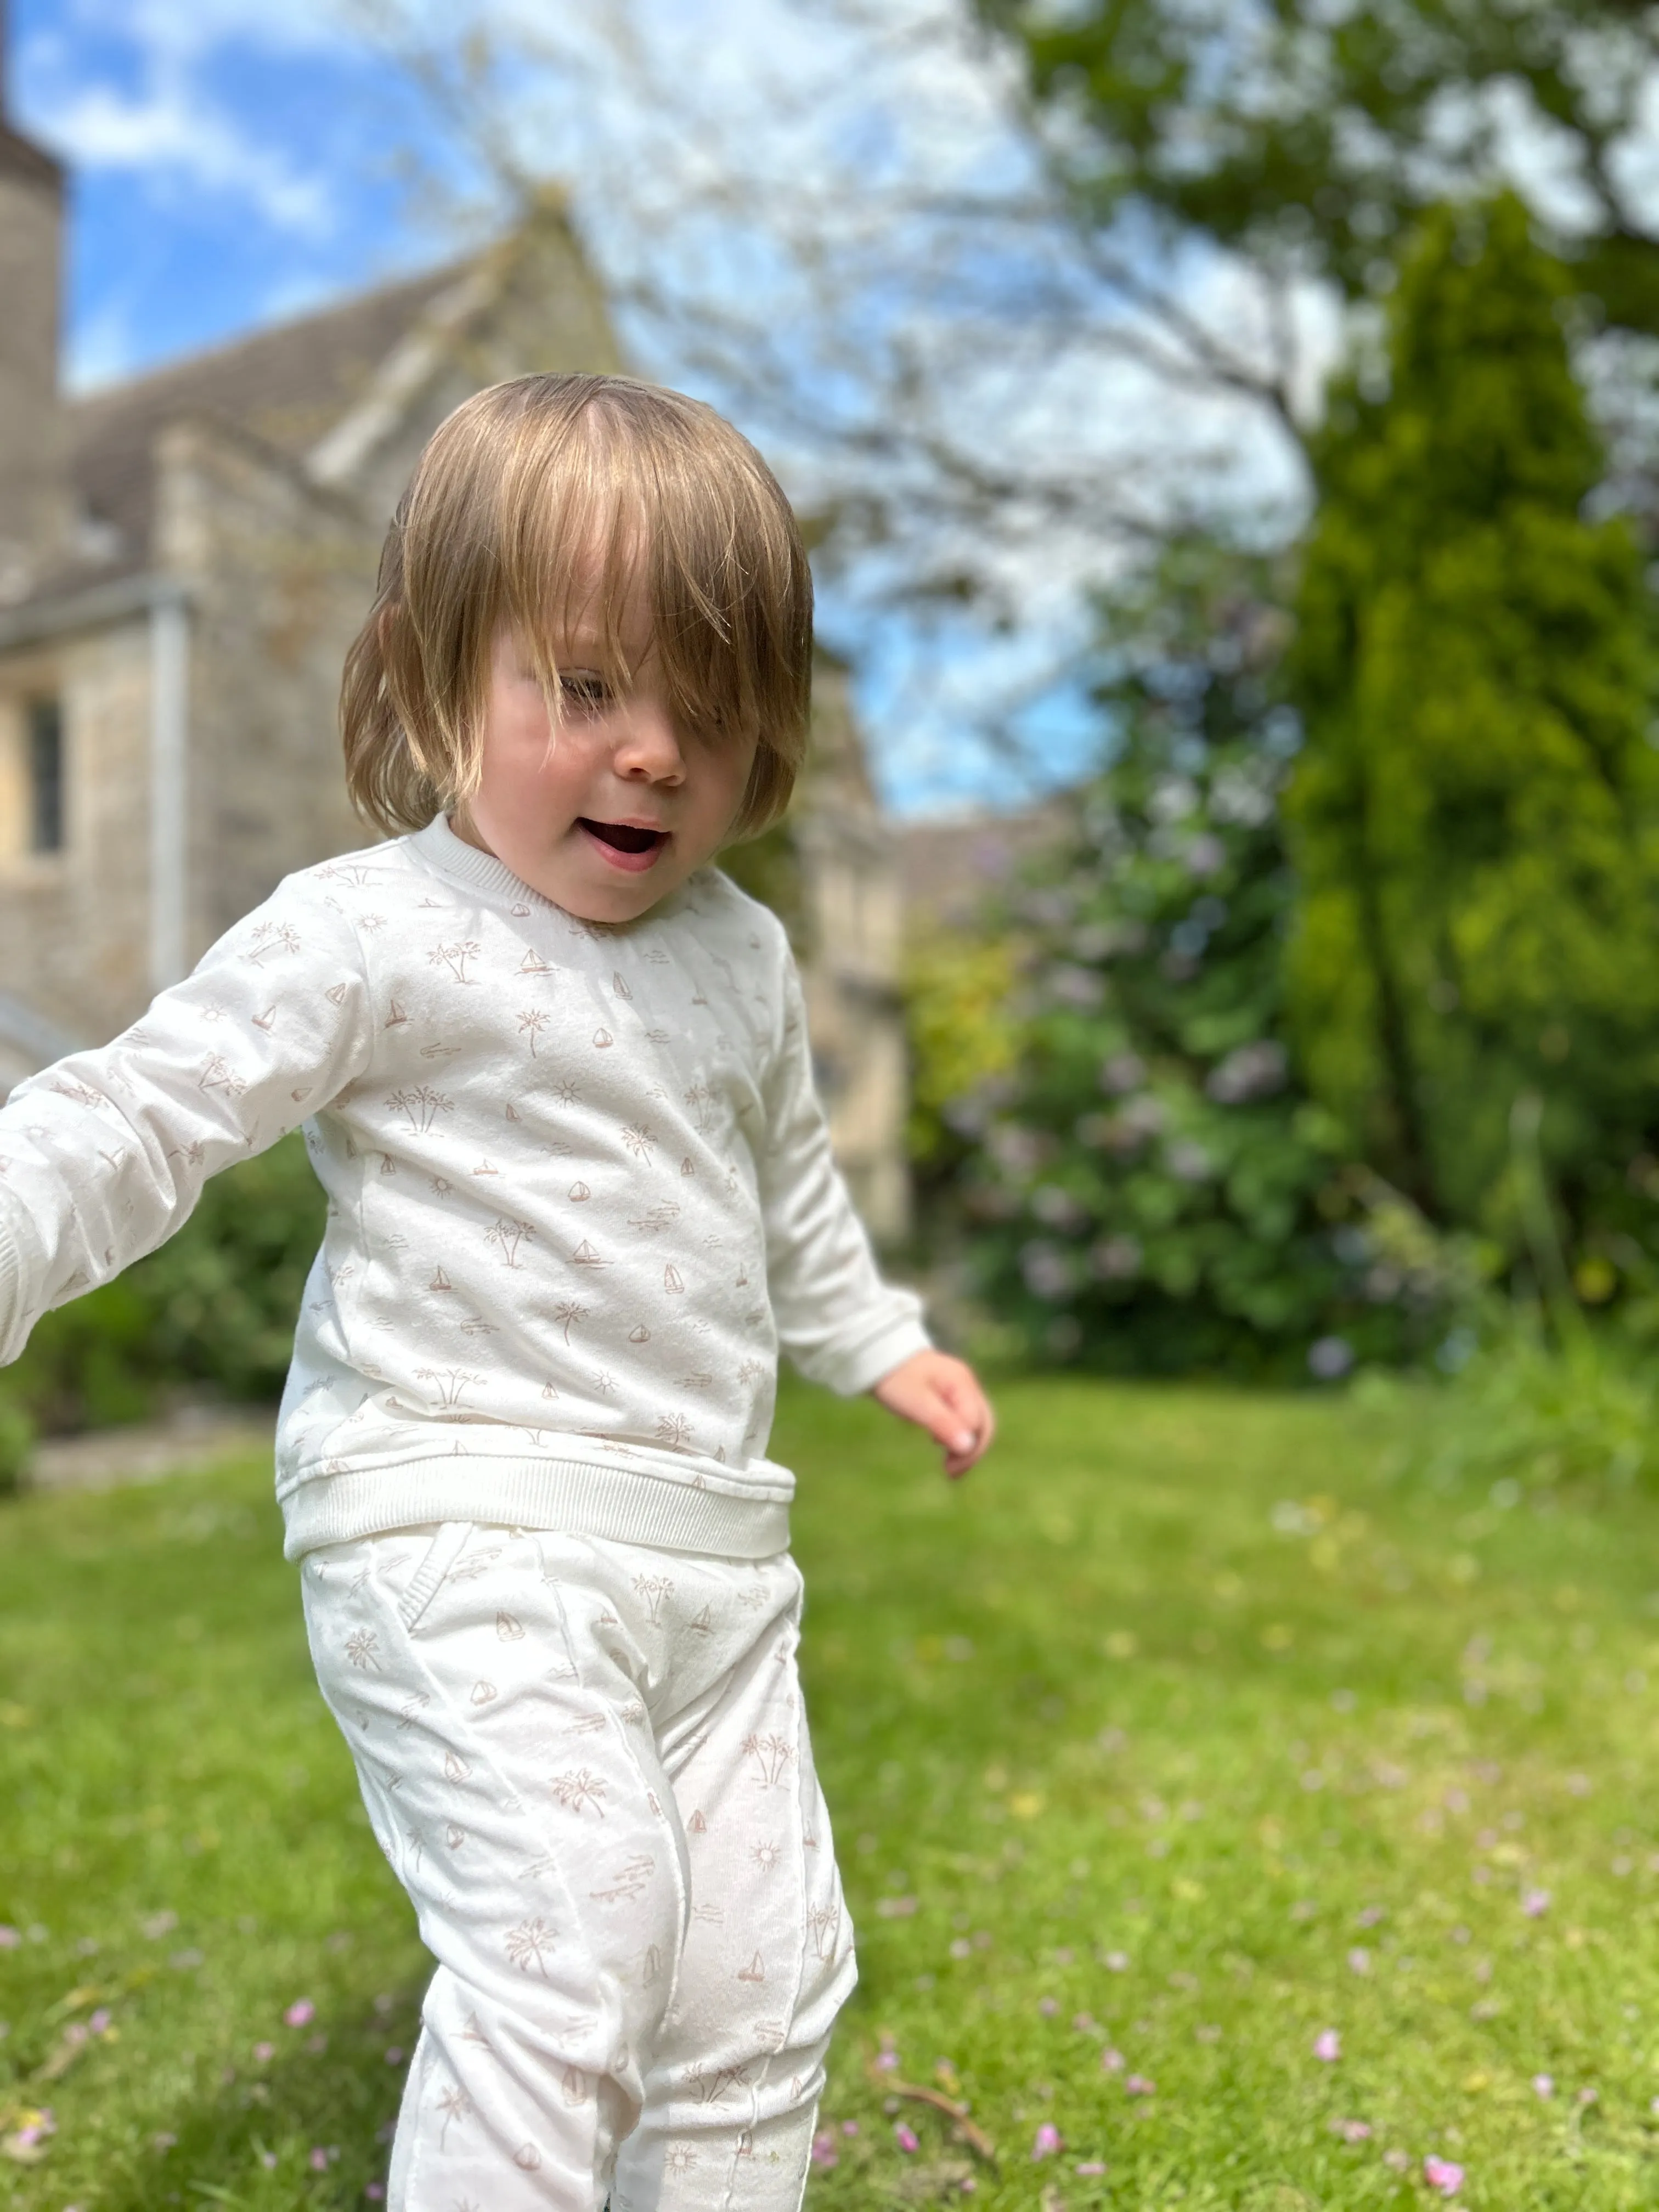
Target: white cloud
point(170, 133)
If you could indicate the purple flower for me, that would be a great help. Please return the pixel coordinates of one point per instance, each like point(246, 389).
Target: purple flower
point(1359, 1960)
point(1048, 2007)
point(849, 2127)
point(1443, 2175)
point(1139, 2086)
point(319, 2160)
point(375, 2192)
point(905, 2138)
point(888, 2061)
point(394, 2056)
point(1111, 2062)
point(1048, 2143)
point(1534, 1902)
point(1328, 2045)
point(1543, 2085)
point(263, 2052)
point(299, 2014)
point(823, 2148)
point(98, 2023)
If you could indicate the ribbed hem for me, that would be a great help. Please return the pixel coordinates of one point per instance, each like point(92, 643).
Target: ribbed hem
point(565, 1495)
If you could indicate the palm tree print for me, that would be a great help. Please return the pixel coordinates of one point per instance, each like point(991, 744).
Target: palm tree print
point(577, 1790)
point(639, 1140)
point(527, 1943)
point(455, 2105)
point(771, 1755)
point(568, 1312)
point(508, 1235)
point(453, 1382)
point(674, 1430)
point(362, 1648)
point(421, 1107)
point(532, 1022)
point(455, 958)
point(273, 937)
point(217, 1074)
point(654, 1588)
point(823, 1920)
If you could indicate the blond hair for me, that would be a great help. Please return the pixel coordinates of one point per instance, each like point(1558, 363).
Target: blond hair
point(544, 498)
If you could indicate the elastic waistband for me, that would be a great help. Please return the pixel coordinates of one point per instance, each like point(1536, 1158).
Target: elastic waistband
point(570, 1496)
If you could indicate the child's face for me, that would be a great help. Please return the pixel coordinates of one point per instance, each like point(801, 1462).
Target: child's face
point(612, 808)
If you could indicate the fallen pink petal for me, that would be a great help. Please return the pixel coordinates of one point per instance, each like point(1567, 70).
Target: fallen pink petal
point(265, 2052)
point(1535, 1902)
point(824, 2149)
point(1328, 2045)
point(1139, 2086)
point(1091, 2166)
point(1443, 2175)
point(319, 2161)
point(1048, 2143)
point(300, 2013)
point(905, 2138)
point(1543, 2085)
point(1112, 2062)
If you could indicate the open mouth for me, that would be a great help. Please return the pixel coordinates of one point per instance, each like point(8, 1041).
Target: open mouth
point(628, 843)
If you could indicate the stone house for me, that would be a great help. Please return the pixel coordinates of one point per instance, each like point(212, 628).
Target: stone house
point(183, 560)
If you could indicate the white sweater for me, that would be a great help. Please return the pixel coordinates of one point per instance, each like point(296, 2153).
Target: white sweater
point(579, 1193)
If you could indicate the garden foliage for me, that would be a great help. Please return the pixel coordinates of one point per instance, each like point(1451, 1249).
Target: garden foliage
point(1475, 813)
point(216, 1307)
point(1153, 1189)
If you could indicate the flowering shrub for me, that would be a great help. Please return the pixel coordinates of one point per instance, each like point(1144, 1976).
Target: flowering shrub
point(1152, 1190)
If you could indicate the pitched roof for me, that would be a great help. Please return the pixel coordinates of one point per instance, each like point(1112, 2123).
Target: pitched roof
point(288, 384)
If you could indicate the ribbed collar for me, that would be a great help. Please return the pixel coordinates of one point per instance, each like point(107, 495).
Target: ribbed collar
point(441, 849)
point(451, 855)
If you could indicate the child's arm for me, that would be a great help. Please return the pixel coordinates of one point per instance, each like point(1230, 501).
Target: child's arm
point(838, 1320)
point(103, 1156)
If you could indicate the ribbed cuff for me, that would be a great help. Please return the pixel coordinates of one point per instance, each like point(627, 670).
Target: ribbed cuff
point(860, 1370)
point(13, 1299)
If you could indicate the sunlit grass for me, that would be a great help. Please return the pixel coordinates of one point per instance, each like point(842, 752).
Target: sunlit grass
point(1185, 1736)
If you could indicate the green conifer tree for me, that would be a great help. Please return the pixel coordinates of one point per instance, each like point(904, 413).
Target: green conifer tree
point(1473, 815)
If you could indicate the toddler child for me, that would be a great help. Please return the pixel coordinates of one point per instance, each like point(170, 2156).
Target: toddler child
point(554, 1075)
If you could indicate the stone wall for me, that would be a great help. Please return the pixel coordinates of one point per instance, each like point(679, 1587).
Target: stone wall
point(76, 922)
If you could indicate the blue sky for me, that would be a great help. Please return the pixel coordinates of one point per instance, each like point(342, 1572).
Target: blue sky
point(234, 162)
point(226, 170)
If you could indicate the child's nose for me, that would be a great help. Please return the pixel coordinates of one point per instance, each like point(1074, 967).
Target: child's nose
point(649, 750)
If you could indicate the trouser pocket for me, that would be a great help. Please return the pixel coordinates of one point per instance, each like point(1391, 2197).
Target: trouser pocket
point(440, 1555)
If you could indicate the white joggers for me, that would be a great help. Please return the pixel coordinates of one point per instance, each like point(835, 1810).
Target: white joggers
point(588, 1766)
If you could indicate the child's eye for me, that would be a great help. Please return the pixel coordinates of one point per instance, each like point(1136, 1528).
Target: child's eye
point(584, 693)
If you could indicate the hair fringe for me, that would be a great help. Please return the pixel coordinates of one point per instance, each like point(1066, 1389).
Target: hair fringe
point(514, 496)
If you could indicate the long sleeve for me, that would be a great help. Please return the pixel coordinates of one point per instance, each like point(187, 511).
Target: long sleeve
point(838, 1320)
point(103, 1156)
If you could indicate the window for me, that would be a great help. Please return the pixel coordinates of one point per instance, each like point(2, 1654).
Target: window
point(45, 775)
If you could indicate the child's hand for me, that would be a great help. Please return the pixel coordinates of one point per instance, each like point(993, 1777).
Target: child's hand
point(942, 1395)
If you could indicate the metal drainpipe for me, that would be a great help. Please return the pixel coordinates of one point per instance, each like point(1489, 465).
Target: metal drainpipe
point(169, 719)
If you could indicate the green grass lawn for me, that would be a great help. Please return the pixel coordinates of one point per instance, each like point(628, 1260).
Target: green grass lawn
point(1190, 1738)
